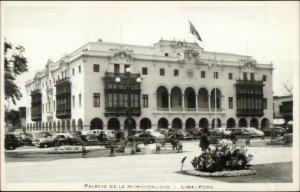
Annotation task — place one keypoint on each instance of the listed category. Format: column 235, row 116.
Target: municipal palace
column 171, row 84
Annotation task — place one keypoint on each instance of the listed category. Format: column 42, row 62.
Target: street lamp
column 129, row 109
column 214, row 65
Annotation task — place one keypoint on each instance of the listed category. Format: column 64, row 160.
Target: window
column 125, row 67
column 230, row 102
column 176, row 72
column 116, row 68
column 62, row 74
column 264, row 78
column 166, row 54
column 79, row 69
column 73, row 72
column 265, row 103
column 245, row 76
column 145, row 101
column 79, row 99
column 230, row 76
column 202, row 74
column 73, row 99
column 162, row 72
column 145, row 71
column 216, row 75
column 96, row 99
column 54, row 105
column 252, row 76
column 96, row 68
column 43, row 108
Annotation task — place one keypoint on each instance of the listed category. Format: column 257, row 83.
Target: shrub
column 222, row 159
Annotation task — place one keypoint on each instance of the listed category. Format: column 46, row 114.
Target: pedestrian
column 83, row 151
column 203, row 142
column 158, row 147
column 112, row 149
column 233, row 138
column 248, row 141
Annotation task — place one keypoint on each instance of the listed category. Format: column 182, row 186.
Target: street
column 146, row 168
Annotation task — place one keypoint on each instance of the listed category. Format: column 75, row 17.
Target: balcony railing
column 122, row 111
column 64, row 80
column 65, row 113
column 249, row 82
column 250, row 112
column 37, row 117
column 188, row 110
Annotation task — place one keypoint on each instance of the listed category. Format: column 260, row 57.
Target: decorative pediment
column 121, row 54
column 64, row 62
column 248, row 64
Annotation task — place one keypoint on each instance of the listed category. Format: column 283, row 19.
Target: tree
column 13, row 117
column 288, row 87
column 14, row 64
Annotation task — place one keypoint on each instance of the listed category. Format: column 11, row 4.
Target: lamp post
column 129, row 110
column 214, row 65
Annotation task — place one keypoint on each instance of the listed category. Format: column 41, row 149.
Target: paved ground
column 147, row 168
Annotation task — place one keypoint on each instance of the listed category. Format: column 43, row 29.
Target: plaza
column 148, row 167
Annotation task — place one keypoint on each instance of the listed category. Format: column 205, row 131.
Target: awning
column 278, row 121
column 290, row 123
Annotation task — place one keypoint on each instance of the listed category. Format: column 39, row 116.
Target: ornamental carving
column 121, row 53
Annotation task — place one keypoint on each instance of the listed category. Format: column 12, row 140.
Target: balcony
column 65, row 113
column 250, row 112
column 36, row 92
column 249, row 82
column 37, row 117
column 204, row 111
column 65, row 80
column 122, row 111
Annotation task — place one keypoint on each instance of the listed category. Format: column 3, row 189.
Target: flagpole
column 120, row 34
column 188, row 33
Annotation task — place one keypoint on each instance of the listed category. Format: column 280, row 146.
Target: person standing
column 83, row 151
column 203, row 142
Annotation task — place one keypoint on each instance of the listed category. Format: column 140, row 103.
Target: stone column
column 182, row 102
column 209, row 103
column 169, row 101
column 196, row 102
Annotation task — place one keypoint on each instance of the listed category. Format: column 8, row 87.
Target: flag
column 194, row 31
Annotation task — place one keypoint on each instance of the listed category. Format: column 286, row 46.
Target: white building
column 170, row 84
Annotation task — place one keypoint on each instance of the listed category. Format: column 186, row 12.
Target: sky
column 268, row 31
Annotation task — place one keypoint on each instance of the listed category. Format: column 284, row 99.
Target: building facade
column 283, row 109
column 171, row 84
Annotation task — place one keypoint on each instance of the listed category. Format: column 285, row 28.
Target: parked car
column 255, row 132
column 90, row 139
column 11, row 141
column 26, row 138
column 195, row 132
column 275, row 131
column 226, row 131
column 213, row 136
column 38, row 135
column 163, row 131
column 183, row 135
column 147, row 137
column 59, row 139
column 241, row 132
column 86, row 132
column 96, row 131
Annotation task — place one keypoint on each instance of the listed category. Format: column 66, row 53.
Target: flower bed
column 65, row 149
column 214, row 161
column 233, row 173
